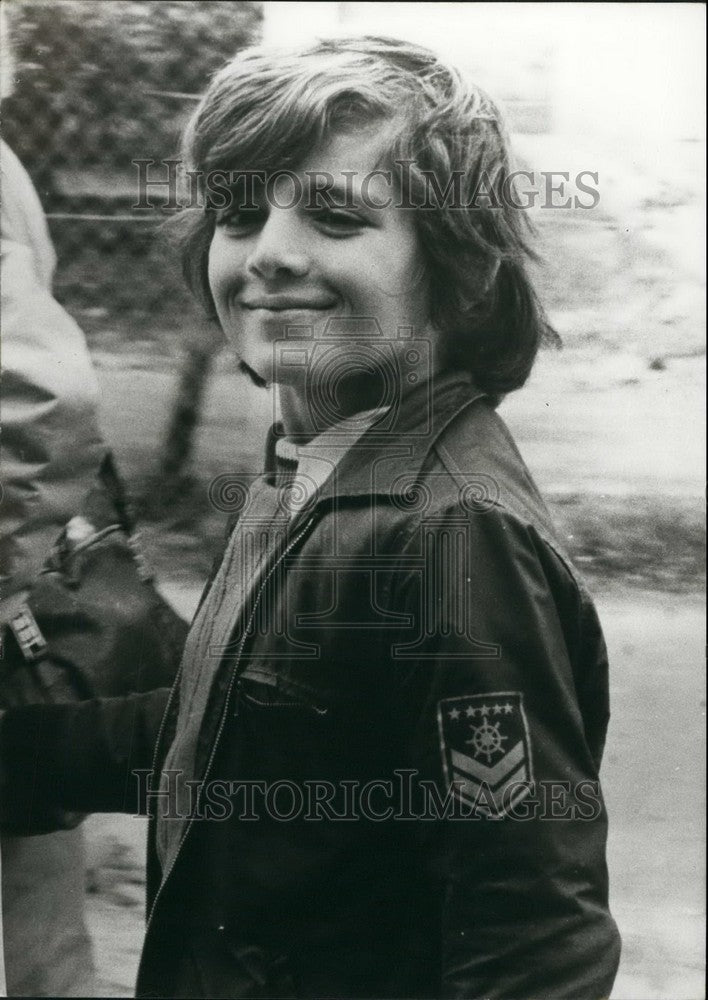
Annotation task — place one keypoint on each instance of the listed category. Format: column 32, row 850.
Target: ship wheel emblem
column 486, row 739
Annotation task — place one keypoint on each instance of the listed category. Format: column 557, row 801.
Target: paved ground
column 654, row 781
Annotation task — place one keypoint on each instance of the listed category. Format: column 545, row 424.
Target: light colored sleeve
column 51, row 442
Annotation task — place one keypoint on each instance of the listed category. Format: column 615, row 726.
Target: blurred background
column 611, row 425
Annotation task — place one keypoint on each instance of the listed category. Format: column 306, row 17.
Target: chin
column 257, row 365
column 257, row 379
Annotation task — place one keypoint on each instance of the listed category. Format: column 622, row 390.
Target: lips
column 282, row 303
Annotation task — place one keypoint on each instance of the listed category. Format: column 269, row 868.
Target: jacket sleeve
column 78, row 756
column 52, row 444
column 488, row 696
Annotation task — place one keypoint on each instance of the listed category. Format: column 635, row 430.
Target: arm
column 76, row 757
column 52, row 445
column 490, row 716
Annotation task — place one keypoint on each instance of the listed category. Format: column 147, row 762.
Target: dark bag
column 93, row 624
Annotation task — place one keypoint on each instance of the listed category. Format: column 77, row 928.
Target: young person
column 377, row 772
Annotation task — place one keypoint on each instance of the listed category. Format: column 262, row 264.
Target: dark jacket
column 419, row 642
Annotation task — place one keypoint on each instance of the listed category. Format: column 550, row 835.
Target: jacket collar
column 390, row 455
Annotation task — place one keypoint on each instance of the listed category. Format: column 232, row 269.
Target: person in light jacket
column 51, row 451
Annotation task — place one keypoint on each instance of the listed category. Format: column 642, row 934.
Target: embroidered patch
column 485, row 749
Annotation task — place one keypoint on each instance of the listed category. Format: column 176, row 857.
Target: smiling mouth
column 287, row 306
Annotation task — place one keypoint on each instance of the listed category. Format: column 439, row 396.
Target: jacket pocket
column 269, row 973
column 261, row 689
column 214, row 965
column 288, row 732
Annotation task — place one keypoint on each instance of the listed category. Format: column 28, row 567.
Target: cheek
column 224, row 268
column 400, row 280
column 403, row 255
column 413, row 279
column 381, row 272
column 214, row 269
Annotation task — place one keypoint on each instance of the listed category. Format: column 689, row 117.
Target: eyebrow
column 335, row 193
column 332, row 192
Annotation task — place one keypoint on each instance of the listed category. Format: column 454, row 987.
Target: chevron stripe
column 468, row 789
column 492, row 775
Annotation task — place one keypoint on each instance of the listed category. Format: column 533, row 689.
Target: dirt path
column 654, row 783
column 653, row 776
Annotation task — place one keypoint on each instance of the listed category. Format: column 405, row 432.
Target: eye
column 241, row 220
column 339, row 221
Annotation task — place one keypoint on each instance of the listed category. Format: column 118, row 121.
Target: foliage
column 98, row 84
column 89, row 73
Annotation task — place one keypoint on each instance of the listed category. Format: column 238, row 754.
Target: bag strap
column 28, row 634
column 115, row 487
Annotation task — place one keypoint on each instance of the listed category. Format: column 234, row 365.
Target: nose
column 281, row 248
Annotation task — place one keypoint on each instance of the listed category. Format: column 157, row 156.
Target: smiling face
column 273, row 268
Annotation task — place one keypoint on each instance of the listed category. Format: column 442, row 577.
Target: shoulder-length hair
column 267, row 108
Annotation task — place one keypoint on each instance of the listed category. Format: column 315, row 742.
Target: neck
column 295, row 415
column 352, row 396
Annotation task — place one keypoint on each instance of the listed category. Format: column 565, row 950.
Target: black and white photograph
column 352, row 500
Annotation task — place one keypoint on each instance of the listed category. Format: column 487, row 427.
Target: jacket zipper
column 291, row 544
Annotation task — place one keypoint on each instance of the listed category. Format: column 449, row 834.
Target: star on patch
column 486, row 752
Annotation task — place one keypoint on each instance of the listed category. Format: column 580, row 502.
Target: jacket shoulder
column 476, row 464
